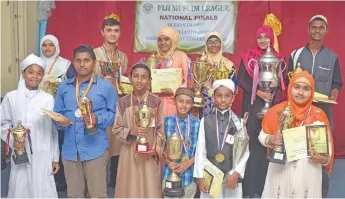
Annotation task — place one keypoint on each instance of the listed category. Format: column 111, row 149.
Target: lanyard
column 181, row 134
column 52, row 66
column 226, row 130
column 306, row 117
column 77, row 89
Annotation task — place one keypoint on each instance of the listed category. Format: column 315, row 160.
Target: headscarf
column 174, row 37
column 20, row 108
column 257, row 52
column 228, row 83
column 61, row 65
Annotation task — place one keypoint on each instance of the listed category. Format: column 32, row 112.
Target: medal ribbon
column 226, row 130
column 181, row 134
column 52, row 66
column 306, row 117
column 77, row 89
column 111, row 60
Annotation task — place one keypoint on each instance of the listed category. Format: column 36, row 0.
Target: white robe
column 201, row 156
column 34, row 179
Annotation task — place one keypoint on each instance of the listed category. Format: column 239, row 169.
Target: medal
column 210, row 92
column 185, row 158
column 77, row 113
column 169, row 64
column 219, row 157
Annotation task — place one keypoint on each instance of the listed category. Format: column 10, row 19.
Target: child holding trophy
column 187, row 128
column 31, row 134
column 139, row 126
column 216, row 143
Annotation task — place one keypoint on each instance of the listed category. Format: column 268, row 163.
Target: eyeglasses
column 214, row 43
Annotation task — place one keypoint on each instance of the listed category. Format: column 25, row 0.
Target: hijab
column 173, row 36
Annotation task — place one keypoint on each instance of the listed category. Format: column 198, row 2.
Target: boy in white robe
column 215, row 142
column 34, row 179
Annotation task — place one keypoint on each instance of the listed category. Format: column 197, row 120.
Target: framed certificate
column 317, row 138
column 166, row 78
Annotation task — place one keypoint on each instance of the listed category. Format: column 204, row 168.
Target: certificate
column 317, row 138
column 213, row 178
column 295, row 142
column 166, row 78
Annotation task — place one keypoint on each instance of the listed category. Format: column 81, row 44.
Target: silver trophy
column 241, row 139
column 268, row 80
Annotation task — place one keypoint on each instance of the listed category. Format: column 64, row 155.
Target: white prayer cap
column 319, row 17
column 31, row 59
column 224, row 82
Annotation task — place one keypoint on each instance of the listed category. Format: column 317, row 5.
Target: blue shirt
column 170, row 127
column 104, row 99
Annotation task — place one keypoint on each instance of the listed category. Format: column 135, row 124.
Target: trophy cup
column 268, row 65
column 221, row 72
column 85, row 106
column 277, row 154
column 19, row 134
column 144, row 117
column 111, row 69
column 241, row 139
column 202, row 72
column 152, row 61
column 173, row 185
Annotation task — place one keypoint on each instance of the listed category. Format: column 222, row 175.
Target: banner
column 192, row 19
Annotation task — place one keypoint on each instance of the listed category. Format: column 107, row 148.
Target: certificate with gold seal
column 166, row 78
column 213, row 178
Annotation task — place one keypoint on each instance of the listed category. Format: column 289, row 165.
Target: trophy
column 152, row 61
column 144, row 117
column 173, row 185
column 277, row 154
column 202, row 72
column 268, row 65
column 49, row 84
column 112, row 69
column 19, row 134
column 241, row 139
column 295, row 71
column 85, row 106
column 222, row 72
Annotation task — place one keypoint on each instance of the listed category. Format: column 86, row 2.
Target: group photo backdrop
column 79, row 22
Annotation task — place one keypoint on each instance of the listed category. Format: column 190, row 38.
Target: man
column 187, row 127
column 109, row 52
column 323, row 65
column 85, row 156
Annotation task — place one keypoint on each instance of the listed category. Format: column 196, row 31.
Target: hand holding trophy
column 19, row 134
column 144, row 117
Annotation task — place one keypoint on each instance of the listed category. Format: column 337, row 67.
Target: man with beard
column 109, row 54
column 323, row 65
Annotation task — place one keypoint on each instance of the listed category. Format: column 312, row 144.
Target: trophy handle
column 250, row 61
column 196, row 80
column 280, row 63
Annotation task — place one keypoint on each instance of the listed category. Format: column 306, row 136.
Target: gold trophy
column 277, row 154
column 295, row 71
column 19, row 134
column 85, row 106
column 173, row 185
column 202, row 71
column 152, row 61
column 111, row 68
column 222, row 72
column 144, row 117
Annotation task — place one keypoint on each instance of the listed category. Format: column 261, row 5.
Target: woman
column 214, row 55
column 58, row 69
column 169, row 57
column 36, row 178
column 301, row 178
column 256, row 169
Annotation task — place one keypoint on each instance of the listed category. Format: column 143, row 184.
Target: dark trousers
column 325, row 182
column 114, row 161
column 60, row 179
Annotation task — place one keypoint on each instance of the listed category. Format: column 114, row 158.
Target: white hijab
column 61, row 65
column 20, row 108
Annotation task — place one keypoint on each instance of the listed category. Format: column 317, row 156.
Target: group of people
column 207, row 132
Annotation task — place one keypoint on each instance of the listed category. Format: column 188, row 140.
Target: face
column 223, row 98
column 183, row 104
column 48, row 48
column 111, row 34
column 164, row 43
column 214, row 45
column 300, row 93
column 317, row 30
column 33, row 76
column 140, row 78
column 84, row 63
column 263, row 41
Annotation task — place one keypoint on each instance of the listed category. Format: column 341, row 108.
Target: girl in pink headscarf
column 256, row 169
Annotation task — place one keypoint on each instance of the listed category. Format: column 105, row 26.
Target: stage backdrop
column 76, row 23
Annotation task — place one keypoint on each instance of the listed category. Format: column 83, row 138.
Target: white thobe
column 298, row 179
column 201, row 156
column 33, row 179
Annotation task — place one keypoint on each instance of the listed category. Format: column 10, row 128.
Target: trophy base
column 20, row 159
column 91, row 131
column 198, row 102
column 276, row 157
column 173, row 189
column 142, row 148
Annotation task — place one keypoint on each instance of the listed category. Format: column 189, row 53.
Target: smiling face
column 317, row 30
column 164, row 43
column 111, row 34
column 184, row 104
column 214, row 45
column 33, row 76
column 301, row 93
column 140, row 79
column 48, row 48
column 263, row 41
column 223, row 98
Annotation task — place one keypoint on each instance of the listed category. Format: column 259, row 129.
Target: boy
column 187, row 127
column 215, row 142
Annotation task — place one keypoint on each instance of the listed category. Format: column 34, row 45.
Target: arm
column 55, row 144
column 122, row 133
column 59, row 106
column 244, row 80
column 6, row 119
column 264, row 139
column 200, row 154
column 106, row 118
column 337, row 81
